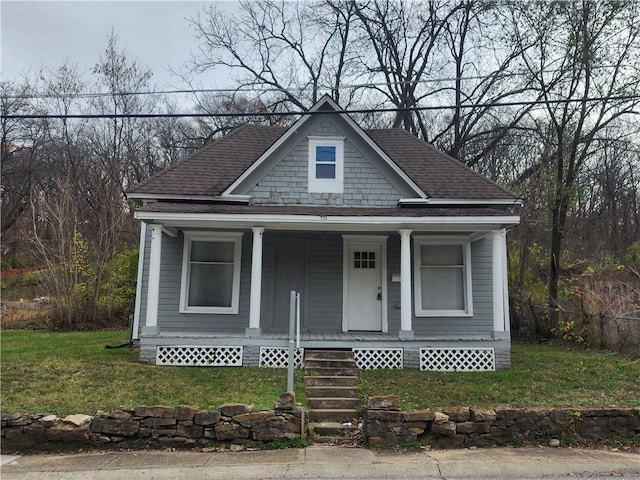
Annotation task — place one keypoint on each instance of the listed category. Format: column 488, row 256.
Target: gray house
column 397, row 251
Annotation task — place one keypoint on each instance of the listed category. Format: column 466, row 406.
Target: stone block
column 49, row 420
column 233, row 409
column 447, row 429
column 207, row 418
column 384, row 415
column 507, row 414
column 473, row 427
column 209, row 433
column 120, row 414
column 460, row 414
column 384, row 402
column 426, row 415
column 158, row 411
column 155, row 422
column 440, row 418
column 77, row 420
column 66, row 433
column 286, row 401
column 186, row 412
column 109, row 426
column 231, row 431
column 189, row 431
column 483, row 414
column 377, row 428
column 247, row 419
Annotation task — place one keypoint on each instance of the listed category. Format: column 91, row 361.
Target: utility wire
column 274, row 89
column 317, row 112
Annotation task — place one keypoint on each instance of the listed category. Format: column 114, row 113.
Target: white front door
column 364, row 288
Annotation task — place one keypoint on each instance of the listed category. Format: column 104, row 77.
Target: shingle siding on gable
column 286, row 183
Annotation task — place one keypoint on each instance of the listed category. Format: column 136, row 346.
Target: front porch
column 371, row 350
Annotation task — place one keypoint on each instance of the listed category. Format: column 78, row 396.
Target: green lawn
column 541, row 376
column 66, row 373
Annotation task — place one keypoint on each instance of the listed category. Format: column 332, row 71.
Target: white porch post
column 153, row 290
column 406, row 329
column 498, row 240
column 136, row 311
column 256, row 283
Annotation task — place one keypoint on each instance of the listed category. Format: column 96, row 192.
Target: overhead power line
column 251, row 88
column 37, row 116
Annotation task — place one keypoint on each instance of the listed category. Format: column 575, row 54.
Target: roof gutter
column 458, row 201
column 149, row 197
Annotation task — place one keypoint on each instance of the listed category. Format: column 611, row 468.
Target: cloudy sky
column 37, row 34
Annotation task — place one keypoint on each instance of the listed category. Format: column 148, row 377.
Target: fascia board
column 328, row 222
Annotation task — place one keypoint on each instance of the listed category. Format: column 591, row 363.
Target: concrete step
column 330, row 371
column 330, row 429
column 333, row 403
column 321, row 354
column 333, row 433
column 330, row 363
column 331, row 381
column 324, row 391
column 334, row 415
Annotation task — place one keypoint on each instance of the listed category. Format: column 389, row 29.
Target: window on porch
column 211, row 273
column 442, row 278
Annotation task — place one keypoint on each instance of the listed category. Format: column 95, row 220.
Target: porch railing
column 294, row 335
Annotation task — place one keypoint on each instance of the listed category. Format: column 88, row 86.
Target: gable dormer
column 325, row 159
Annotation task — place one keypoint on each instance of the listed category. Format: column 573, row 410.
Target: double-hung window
column 326, row 164
column 442, row 277
column 211, row 273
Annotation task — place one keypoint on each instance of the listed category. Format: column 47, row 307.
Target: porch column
column 153, row 289
column 498, row 240
column 406, row 329
column 256, row 284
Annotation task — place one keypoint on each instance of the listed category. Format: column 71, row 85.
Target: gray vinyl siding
column 322, row 288
column 364, row 183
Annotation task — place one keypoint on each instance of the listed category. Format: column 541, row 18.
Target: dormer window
column 326, row 164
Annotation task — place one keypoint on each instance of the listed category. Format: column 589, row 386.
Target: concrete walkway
column 327, row 462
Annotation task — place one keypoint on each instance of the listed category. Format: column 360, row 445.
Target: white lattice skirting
column 278, row 357
column 372, row 358
column 197, row 356
column 457, row 359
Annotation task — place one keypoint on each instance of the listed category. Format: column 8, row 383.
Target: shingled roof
column 211, row 170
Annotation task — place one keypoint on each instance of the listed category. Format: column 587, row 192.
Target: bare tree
column 286, row 53
column 585, row 65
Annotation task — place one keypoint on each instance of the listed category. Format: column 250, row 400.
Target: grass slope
column 66, row 373
column 541, row 376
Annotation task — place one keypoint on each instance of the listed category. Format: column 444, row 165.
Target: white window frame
column 464, row 242
column 326, row 185
column 190, row 237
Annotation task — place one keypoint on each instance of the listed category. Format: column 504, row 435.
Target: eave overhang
column 330, row 222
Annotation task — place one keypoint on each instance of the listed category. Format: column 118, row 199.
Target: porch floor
column 330, row 336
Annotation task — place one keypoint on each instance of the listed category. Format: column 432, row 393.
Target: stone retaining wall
column 385, row 424
column 154, row 426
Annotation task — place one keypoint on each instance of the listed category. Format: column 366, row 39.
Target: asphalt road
column 319, row 462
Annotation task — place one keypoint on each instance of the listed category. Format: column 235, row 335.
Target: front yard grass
column 541, row 376
column 65, row 373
